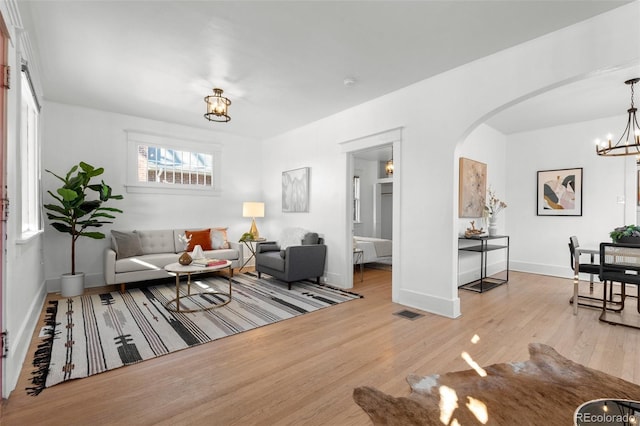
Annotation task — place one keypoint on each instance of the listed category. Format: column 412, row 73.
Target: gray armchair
column 294, row 263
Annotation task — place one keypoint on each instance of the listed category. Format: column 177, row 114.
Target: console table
column 483, row 247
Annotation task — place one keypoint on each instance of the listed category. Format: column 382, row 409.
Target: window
column 157, row 164
column 172, row 165
column 356, row 198
column 29, row 156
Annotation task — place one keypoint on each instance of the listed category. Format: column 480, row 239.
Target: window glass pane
column 29, row 159
column 170, row 166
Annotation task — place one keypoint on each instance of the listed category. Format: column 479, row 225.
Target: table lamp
column 253, row 209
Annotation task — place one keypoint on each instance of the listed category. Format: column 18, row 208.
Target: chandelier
column 629, row 142
column 217, row 107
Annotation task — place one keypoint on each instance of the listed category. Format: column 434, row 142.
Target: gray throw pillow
column 127, row 244
column 310, row 238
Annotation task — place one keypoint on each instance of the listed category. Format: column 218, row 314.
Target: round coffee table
column 178, row 269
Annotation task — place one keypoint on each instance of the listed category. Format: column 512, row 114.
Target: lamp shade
column 252, row 209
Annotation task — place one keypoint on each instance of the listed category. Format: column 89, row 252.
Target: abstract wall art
column 295, row 190
column 472, row 188
column 559, row 192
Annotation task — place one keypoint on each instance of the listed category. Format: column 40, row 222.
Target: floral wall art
column 472, row 188
column 560, row 192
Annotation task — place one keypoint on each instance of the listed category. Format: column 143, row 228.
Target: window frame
column 356, row 199
column 136, row 138
column 31, row 222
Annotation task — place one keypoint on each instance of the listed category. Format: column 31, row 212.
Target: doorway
column 367, row 159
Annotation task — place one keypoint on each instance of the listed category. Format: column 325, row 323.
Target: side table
column 358, row 259
column 251, row 245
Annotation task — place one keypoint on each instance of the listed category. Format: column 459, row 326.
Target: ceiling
column 283, row 64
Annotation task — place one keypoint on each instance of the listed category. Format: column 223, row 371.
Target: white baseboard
column 425, row 302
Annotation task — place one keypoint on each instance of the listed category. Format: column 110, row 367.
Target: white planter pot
column 72, row 285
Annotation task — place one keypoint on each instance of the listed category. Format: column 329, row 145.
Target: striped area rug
column 90, row 334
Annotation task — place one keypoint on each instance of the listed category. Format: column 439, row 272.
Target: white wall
column 488, row 146
column 435, row 115
column 73, row 134
column 539, row 243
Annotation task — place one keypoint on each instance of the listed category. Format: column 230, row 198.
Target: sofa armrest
column 237, row 246
column 109, row 266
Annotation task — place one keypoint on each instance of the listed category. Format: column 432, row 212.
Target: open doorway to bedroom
column 372, row 208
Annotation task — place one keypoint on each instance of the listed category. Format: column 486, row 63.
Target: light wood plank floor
column 304, row 370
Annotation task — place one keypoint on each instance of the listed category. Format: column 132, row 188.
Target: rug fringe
column 42, row 356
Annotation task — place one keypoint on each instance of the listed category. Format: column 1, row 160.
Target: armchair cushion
column 272, row 260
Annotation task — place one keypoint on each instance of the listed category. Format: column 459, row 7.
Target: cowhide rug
column 546, row 390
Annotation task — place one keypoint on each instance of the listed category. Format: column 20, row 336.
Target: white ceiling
column 283, row 64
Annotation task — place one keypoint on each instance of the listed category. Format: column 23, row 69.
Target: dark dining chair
column 619, row 262
column 591, row 268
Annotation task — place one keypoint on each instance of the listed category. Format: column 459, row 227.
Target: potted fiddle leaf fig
column 79, row 207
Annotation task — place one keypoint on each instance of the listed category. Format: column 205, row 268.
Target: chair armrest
column 305, row 261
column 265, row 246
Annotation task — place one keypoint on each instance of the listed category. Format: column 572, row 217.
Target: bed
column 373, row 249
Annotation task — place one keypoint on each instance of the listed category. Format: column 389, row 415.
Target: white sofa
column 142, row 255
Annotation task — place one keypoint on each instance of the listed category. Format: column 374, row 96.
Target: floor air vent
column 408, row 314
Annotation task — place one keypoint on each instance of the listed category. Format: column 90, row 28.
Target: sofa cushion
column 219, row 238
column 157, row 241
column 226, row 254
column 126, row 244
column 149, row 262
column 200, row 238
column 272, row 260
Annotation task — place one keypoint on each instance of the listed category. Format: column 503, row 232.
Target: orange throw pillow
column 201, row 238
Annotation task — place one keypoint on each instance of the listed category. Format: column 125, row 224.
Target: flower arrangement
column 494, row 205
column 625, row 231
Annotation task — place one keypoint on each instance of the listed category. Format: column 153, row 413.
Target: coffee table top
column 176, row 267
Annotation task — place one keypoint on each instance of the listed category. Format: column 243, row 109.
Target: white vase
column 493, row 226
column 72, row 285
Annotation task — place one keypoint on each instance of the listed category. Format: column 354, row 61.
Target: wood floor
column 303, row 371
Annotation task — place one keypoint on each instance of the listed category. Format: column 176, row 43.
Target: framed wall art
column 295, row 190
column 472, row 188
column 559, row 192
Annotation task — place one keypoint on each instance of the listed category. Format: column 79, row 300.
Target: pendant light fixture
column 629, row 142
column 217, row 107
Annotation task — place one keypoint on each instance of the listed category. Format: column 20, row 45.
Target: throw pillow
column 219, row 238
column 126, row 244
column 311, row 238
column 291, row 237
column 201, row 238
